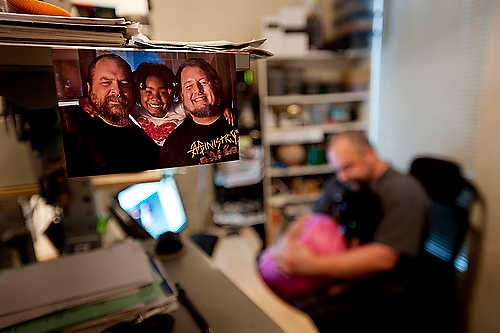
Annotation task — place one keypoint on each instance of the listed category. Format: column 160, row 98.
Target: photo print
column 130, row 111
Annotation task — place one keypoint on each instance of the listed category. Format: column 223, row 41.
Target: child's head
column 155, row 85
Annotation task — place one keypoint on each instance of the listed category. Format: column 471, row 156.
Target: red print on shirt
column 156, row 132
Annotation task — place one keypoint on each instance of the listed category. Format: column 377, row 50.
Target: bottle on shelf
column 314, row 26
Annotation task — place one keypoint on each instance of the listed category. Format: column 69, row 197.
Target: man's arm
column 355, row 263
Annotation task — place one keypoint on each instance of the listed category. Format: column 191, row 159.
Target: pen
column 198, row 318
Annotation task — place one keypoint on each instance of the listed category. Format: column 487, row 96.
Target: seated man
column 376, row 270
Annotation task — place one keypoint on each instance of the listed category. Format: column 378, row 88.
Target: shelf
column 299, row 170
column 345, row 97
column 293, row 135
column 99, row 182
column 349, row 126
column 239, row 219
column 281, row 200
column 126, row 179
column 308, row 134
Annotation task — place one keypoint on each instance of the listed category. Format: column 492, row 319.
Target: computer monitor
column 156, row 207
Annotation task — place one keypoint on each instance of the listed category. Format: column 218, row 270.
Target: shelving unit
column 307, row 133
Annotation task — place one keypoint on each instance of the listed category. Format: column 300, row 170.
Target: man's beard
column 205, row 111
column 113, row 115
column 352, row 186
column 357, row 185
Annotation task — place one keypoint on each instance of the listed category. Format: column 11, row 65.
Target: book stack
column 86, row 292
column 53, row 30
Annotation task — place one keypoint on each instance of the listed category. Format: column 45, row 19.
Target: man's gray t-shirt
column 405, row 207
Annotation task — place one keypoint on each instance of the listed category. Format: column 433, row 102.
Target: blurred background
column 420, row 77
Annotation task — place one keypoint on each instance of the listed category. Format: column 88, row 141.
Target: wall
column 485, row 312
column 123, row 7
column 23, row 171
column 193, row 20
column 439, row 94
column 431, row 71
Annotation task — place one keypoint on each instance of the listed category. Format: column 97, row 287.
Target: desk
column 223, row 305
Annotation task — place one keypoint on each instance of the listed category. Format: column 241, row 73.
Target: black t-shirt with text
column 193, row 144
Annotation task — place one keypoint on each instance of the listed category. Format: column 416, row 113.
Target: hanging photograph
column 130, row 111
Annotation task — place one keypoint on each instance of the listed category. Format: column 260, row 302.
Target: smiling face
column 197, row 93
column 110, row 92
column 155, row 97
column 353, row 166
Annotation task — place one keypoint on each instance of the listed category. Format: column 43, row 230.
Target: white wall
column 123, row 7
column 431, row 72
column 193, row 20
column 485, row 314
column 439, row 94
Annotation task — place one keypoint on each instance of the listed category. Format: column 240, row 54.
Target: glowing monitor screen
column 157, row 207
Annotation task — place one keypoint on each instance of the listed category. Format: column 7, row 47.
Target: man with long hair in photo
column 205, row 136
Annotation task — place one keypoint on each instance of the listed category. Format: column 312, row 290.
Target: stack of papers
column 84, row 31
column 44, row 29
column 251, row 47
column 85, row 292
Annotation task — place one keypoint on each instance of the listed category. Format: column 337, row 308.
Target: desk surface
column 223, row 305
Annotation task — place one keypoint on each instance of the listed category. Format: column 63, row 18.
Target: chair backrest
column 452, row 198
column 450, row 247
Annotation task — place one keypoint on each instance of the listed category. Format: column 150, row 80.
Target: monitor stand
column 169, row 245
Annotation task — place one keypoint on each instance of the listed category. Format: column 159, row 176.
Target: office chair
column 447, row 265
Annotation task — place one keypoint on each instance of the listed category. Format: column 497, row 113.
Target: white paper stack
column 81, row 289
column 44, row 29
column 251, row 47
